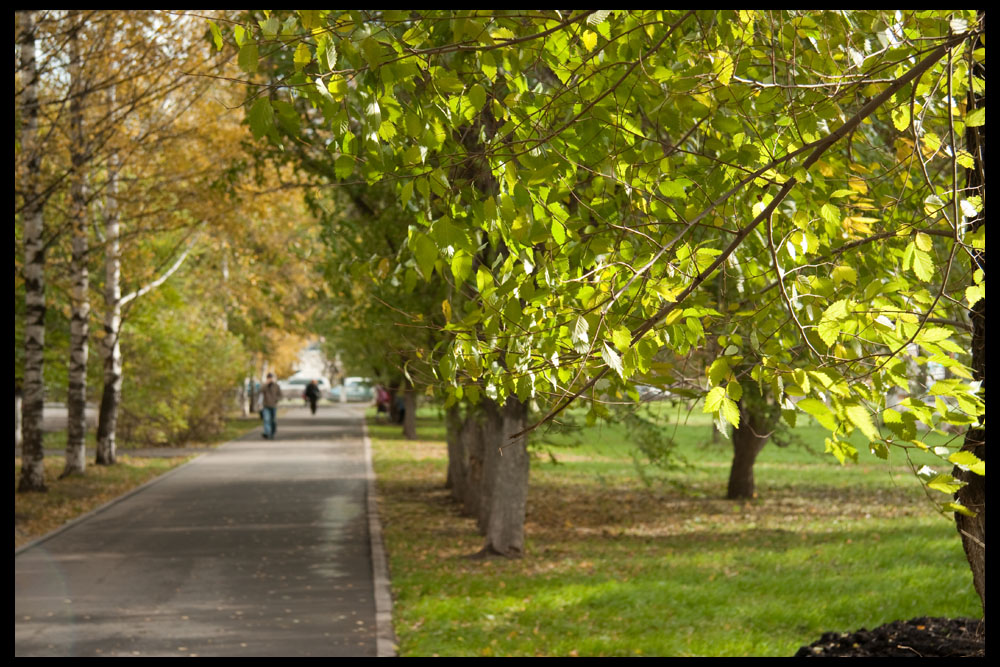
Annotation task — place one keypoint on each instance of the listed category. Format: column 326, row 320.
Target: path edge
column 108, row 505
column 385, row 636
column 114, row 501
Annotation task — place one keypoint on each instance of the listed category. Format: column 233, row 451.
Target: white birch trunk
column 32, row 455
column 76, row 399
column 107, row 425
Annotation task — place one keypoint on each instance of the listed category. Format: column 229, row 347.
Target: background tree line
column 153, row 271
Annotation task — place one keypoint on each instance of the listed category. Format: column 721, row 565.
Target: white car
column 355, row 389
column 293, row 387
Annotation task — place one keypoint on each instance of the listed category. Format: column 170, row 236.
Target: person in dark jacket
column 311, row 394
column 270, row 394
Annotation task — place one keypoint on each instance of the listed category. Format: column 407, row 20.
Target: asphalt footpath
column 258, row 548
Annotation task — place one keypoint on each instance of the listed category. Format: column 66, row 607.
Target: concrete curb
column 385, row 636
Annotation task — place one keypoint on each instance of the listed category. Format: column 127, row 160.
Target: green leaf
column 933, row 334
column 343, row 167
column 674, row 188
column 622, row 338
column 477, row 96
column 612, row 359
column 734, row 390
column 558, row 232
column 425, row 252
column 859, row 416
column 461, row 266
column 945, row 483
column 248, row 57
column 974, row 293
column 829, row 324
column 287, row 117
column 731, row 411
column 261, row 118
column 718, row 371
column 901, row 117
column 714, row 399
column 722, row 65
column 580, row 330
column 923, row 265
column 216, row 35
column 819, row 411
column 969, row 461
column 830, row 213
column 957, row 507
column 976, row 117
column 845, row 273
column 270, row 27
column 842, row 450
column 302, row 57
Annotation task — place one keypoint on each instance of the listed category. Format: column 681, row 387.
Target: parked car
column 355, row 389
column 293, row 387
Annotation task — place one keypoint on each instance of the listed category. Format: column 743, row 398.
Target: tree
column 807, row 160
column 32, row 454
column 137, row 152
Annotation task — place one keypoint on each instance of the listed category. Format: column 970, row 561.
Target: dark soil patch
column 916, row 638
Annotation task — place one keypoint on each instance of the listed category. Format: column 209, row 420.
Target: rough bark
column 465, row 459
column 505, row 476
column 748, row 441
column 453, row 424
column 76, row 398
column 32, row 476
column 973, row 495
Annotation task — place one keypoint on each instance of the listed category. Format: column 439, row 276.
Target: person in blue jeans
column 270, row 394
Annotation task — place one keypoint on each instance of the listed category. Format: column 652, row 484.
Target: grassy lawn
column 37, row 514
column 620, row 566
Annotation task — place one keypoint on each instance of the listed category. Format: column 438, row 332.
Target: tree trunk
column 973, row 495
column 32, row 455
column 453, row 425
column 748, row 440
column 505, row 475
column 465, row 459
column 107, row 424
column 409, row 412
column 76, row 399
column 245, row 398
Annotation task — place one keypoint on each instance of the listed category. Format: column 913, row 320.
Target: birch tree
column 32, row 476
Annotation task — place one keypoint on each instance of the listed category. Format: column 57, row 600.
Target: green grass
column 617, row 566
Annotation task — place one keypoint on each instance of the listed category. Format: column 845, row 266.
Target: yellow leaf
column 857, row 184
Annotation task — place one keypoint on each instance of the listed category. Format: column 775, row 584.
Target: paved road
column 259, row 548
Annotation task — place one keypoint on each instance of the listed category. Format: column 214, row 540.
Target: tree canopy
column 784, row 183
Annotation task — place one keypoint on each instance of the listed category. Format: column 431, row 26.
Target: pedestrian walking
column 270, row 394
column 311, row 394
